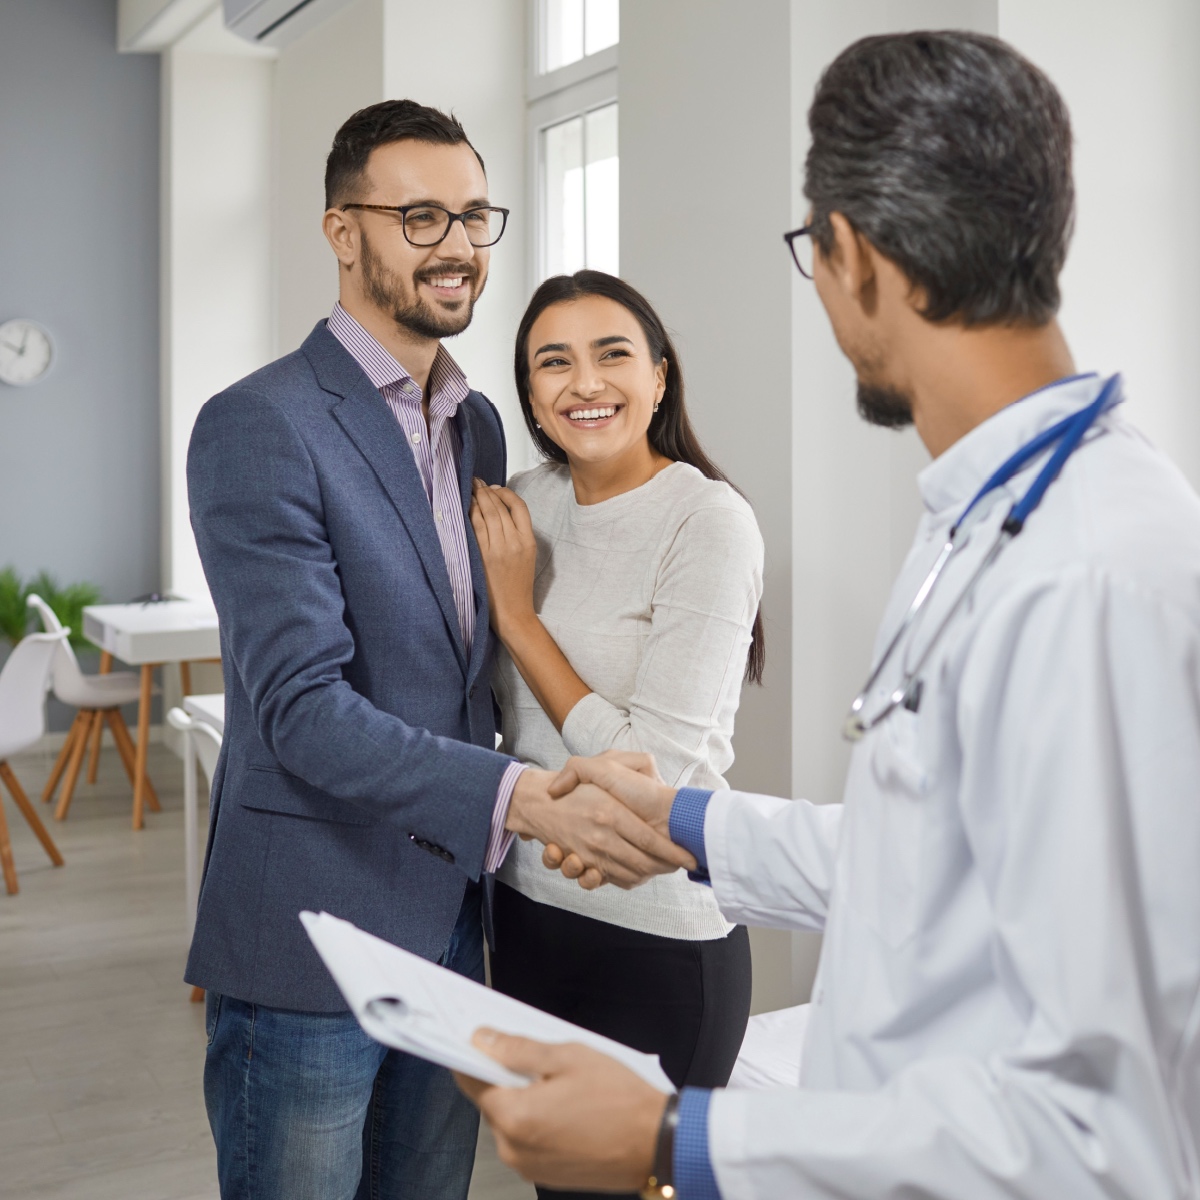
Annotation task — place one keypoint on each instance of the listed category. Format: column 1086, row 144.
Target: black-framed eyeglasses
column 429, row 224
column 800, row 243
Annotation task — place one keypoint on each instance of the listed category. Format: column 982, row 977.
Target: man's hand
column 631, row 778
column 586, row 1122
column 604, row 834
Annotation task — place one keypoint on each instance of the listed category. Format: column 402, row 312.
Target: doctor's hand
column 504, row 531
column 603, row 833
column 629, row 777
column 587, row 1122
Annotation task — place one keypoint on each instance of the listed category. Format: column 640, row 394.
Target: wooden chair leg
column 60, row 764
column 68, row 788
column 97, row 734
column 125, row 749
column 143, row 744
column 120, row 735
column 185, row 678
column 6, row 857
column 35, row 822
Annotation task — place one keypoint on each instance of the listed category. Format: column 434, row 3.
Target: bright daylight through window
column 573, row 118
column 581, row 181
column 573, row 29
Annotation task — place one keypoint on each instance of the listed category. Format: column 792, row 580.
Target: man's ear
column 851, row 262
column 341, row 235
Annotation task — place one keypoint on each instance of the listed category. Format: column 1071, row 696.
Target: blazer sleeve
column 257, row 514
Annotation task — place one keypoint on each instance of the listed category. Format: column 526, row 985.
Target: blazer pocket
column 277, row 791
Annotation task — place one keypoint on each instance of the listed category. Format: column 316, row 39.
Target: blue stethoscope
column 1064, row 437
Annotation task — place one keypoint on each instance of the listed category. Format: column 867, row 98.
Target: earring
column 537, row 424
column 656, row 407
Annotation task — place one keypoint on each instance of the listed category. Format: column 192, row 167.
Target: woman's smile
column 590, row 416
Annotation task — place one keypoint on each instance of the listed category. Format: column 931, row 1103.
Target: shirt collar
column 447, row 384
column 953, row 478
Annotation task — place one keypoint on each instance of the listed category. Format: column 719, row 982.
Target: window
column 573, row 130
column 573, row 29
column 580, row 193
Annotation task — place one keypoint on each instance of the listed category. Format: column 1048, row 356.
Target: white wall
column 703, row 126
column 320, row 79
column 246, row 269
column 473, row 64
column 854, row 486
column 216, row 319
column 1131, row 289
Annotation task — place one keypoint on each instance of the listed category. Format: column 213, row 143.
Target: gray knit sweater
column 651, row 596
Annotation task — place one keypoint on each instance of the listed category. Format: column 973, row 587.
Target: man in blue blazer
column 358, row 773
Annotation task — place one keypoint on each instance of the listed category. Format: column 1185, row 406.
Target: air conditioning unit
column 277, row 22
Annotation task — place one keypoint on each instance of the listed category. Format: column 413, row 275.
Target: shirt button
column 416, row 438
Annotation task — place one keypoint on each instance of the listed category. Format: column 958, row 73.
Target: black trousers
column 688, row 1002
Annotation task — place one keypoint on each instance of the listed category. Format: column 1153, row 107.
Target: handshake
column 601, row 820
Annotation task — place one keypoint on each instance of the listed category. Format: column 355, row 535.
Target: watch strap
column 661, row 1184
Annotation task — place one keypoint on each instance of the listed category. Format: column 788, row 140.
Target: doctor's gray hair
column 951, row 155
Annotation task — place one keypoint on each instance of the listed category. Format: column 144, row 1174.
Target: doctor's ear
column 851, row 262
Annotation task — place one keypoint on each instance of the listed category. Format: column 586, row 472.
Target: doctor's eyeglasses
column 800, row 243
column 429, row 224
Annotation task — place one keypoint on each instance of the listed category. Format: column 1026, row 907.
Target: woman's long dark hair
column 670, row 432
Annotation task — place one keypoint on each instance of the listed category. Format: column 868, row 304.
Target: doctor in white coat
column 1008, row 1000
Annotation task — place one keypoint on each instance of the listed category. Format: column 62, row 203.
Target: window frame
column 555, row 96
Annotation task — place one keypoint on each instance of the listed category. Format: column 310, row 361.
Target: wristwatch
column 661, row 1184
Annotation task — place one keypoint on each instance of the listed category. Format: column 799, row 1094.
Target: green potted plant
column 67, row 602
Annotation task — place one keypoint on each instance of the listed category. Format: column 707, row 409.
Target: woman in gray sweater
column 624, row 576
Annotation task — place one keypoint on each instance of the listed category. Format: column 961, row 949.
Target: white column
column 706, row 181
column 216, row 293
column 216, row 251
column 713, row 137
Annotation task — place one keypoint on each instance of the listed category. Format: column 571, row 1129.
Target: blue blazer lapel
column 465, row 422
column 363, row 413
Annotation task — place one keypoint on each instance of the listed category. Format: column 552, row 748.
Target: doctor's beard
column 406, row 308
column 879, row 404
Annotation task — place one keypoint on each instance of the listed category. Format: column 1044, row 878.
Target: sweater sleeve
column 690, row 672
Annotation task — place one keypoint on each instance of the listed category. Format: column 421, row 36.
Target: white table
column 146, row 636
column 211, row 710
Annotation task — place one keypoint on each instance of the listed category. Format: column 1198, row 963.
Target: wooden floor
column 100, row 1051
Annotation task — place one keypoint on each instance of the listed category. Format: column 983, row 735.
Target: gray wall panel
column 79, row 252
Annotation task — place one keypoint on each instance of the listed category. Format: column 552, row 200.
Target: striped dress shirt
column 436, row 448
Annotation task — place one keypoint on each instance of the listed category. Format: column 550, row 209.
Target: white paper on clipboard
column 410, row 1004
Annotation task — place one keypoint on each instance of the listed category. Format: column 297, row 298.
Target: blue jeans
column 305, row 1106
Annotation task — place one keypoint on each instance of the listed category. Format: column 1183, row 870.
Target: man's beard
column 879, row 404
column 384, row 288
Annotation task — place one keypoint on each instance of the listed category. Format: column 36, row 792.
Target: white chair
column 98, row 699
column 202, row 743
column 22, row 723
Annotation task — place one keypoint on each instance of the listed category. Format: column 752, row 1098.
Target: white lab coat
column 1008, row 1000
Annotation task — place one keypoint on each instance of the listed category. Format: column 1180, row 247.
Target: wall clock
column 26, row 352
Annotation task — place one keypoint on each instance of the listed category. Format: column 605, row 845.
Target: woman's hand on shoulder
column 504, row 531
